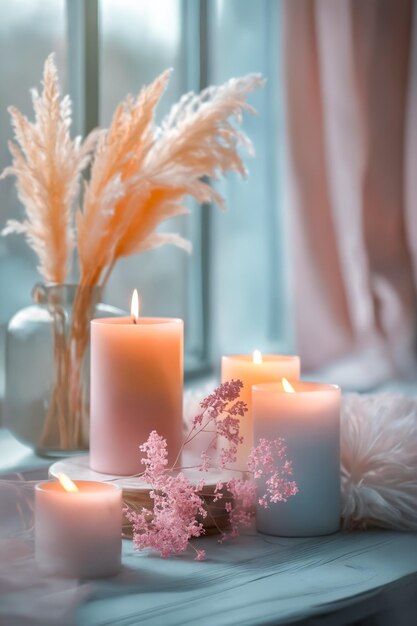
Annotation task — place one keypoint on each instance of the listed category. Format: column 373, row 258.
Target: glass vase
column 47, row 368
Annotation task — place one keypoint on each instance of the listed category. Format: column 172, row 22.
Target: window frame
column 83, row 45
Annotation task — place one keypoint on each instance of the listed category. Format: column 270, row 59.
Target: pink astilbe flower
column 241, row 507
column 220, row 415
column 268, row 462
column 178, row 506
column 156, row 458
column 200, row 555
column 270, row 470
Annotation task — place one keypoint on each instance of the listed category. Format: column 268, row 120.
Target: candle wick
column 134, row 320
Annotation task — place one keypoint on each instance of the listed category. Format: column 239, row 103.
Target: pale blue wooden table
column 362, row 578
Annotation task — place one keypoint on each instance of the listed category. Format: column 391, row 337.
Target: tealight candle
column 136, row 387
column 78, row 528
column 251, row 370
column 307, row 416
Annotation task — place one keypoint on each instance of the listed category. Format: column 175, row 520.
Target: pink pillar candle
column 78, row 534
column 136, row 387
column 308, row 418
column 251, row 370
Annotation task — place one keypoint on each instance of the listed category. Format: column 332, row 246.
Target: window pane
column 29, row 31
column 140, row 39
column 249, row 295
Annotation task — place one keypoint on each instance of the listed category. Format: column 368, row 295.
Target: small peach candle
column 136, row 387
column 307, row 416
column 251, row 370
column 78, row 528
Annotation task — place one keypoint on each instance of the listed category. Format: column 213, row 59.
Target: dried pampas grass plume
column 141, row 173
column 47, row 164
column 379, row 461
column 139, row 177
column 108, row 202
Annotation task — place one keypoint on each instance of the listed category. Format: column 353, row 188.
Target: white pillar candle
column 78, row 533
column 309, row 420
column 136, row 387
column 251, row 370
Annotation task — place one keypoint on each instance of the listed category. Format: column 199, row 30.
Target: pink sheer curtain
column 351, row 90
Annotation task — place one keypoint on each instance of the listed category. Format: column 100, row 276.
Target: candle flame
column 257, row 357
column 287, row 386
column 134, row 307
column 67, row 483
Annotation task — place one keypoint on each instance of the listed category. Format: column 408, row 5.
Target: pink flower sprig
column 240, row 504
column 269, row 465
column 178, row 506
column 220, row 416
column 172, row 522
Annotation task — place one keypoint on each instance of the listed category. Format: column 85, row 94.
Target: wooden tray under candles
column 136, row 490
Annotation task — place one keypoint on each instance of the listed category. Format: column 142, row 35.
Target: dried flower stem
column 57, row 410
